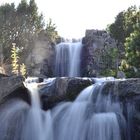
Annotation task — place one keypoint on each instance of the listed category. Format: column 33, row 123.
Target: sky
column 73, row 17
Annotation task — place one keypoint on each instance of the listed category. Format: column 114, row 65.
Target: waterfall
column 68, row 59
column 87, row 120
column 12, row 118
column 92, row 116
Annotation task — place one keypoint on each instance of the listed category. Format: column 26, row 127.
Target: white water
column 68, row 59
column 12, row 118
column 79, row 120
column 82, row 119
column 104, row 126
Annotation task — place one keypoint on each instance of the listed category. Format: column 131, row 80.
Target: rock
column 121, row 74
column 137, row 126
column 12, row 87
column 62, row 89
column 3, row 75
column 128, row 92
column 127, row 88
column 41, row 58
column 96, row 45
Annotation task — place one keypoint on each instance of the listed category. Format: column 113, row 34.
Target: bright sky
column 73, row 17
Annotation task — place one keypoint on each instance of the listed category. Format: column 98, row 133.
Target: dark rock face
column 9, row 84
column 12, row 87
column 125, row 89
column 137, row 126
column 62, row 89
column 96, row 45
column 128, row 92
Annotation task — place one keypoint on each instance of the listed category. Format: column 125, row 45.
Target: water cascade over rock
column 67, row 106
column 94, row 115
column 68, row 59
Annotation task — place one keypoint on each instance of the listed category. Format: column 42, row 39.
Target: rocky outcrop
column 128, row 92
column 12, row 87
column 62, row 89
column 41, row 58
column 124, row 89
column 97, row 47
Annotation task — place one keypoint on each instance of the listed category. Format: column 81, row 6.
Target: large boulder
column 95, row 54
column 62, row 89
column 12, row 87
column 124, row 89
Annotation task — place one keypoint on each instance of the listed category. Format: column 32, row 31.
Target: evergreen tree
column 51, row 31
column 7, row 28
column 117, row 29
column 19, row 25
column 124, row 24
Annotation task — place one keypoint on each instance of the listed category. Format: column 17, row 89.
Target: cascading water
column 12, row 118
column 83, row 120
column 92, row 116
column 68, row 59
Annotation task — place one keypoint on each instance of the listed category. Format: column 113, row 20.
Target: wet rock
column 137, row 126
column 129, row 88
column 12, row 87
column 121, row 74
column 62, row 89
column 128, row 92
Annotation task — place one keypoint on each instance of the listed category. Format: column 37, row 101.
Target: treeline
column 126, row 30
column 22, row 25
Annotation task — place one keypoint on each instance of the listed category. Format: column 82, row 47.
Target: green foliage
column 51, row 31
column 126, row 29
column 23, row 70
column 109, row 72
column 132, row 57
column 19, row 25
column 23, row 25
column 15, row 59
column 16, row 67
column 110, row 61
column 117, row 29
column 7, row 24
column 124, row 24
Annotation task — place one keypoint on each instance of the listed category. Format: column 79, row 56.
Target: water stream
column 68, row 59
column 92, row 116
